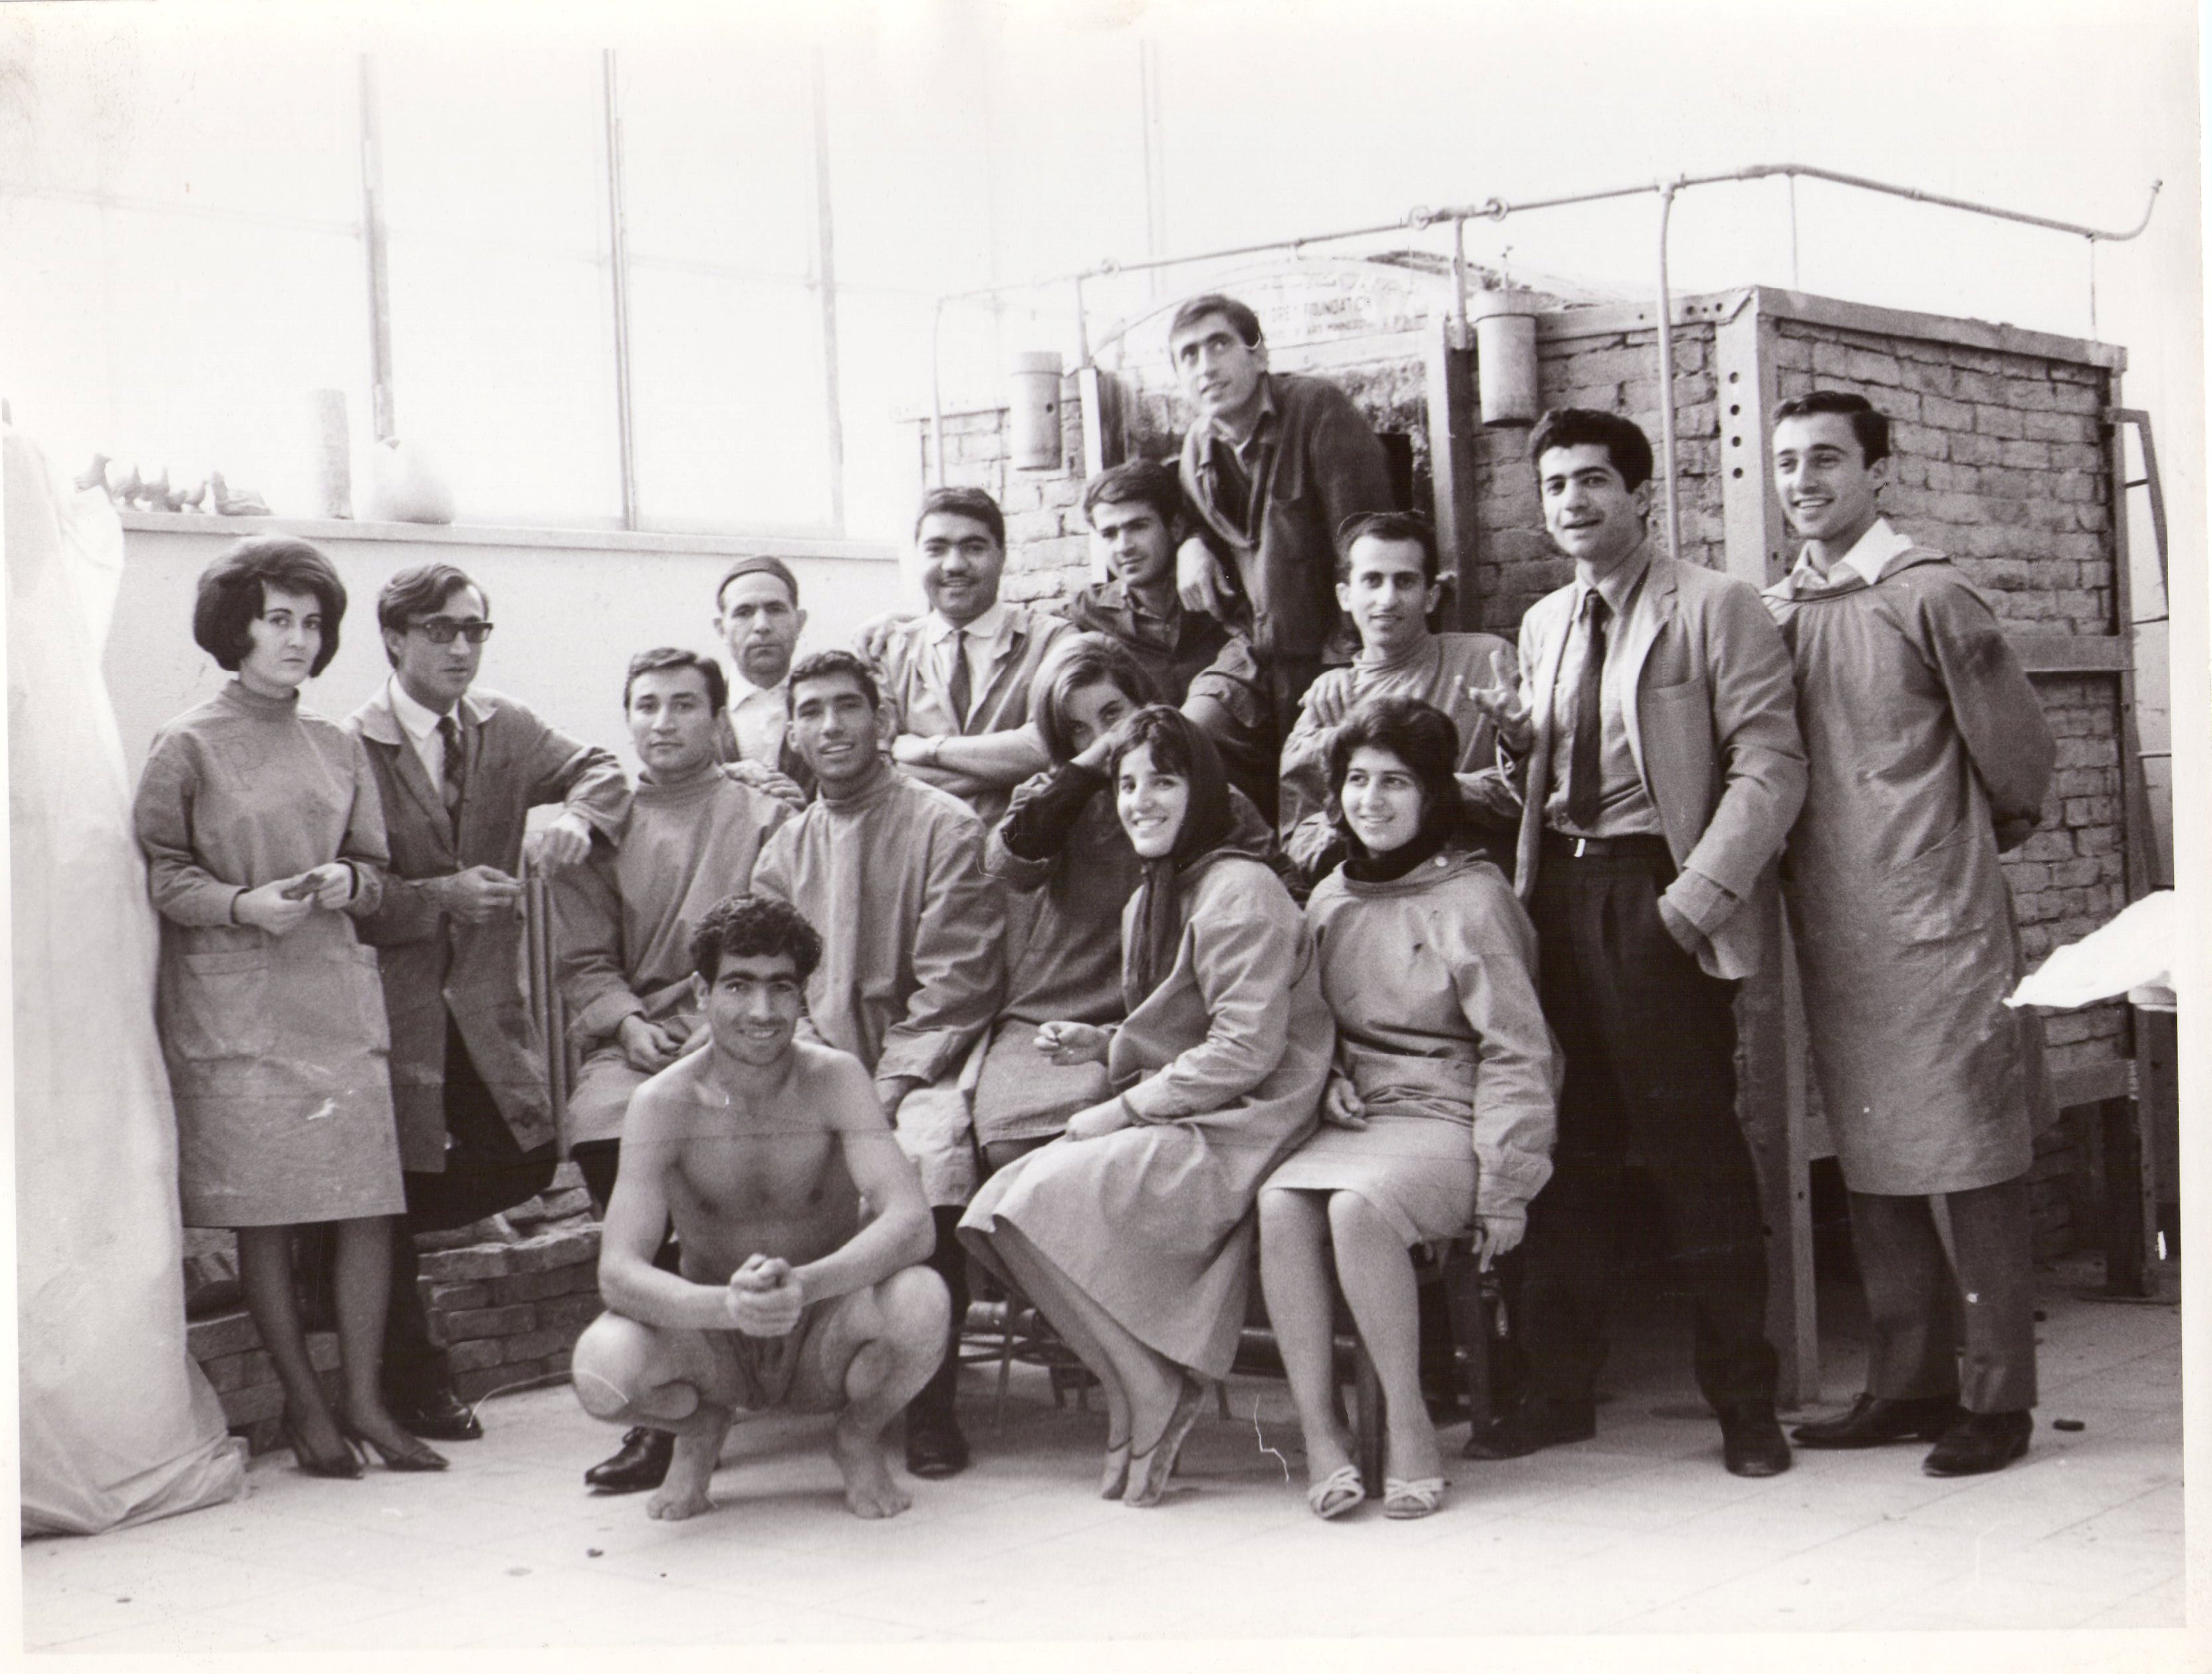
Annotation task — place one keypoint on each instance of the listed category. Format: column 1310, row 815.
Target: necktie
column 456, row 773
column 1583, row 771
column 959, row 688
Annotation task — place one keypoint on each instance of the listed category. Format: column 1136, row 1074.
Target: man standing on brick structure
column 1274, row 464
column 459, row 769
column 757, row 616
column 1929, row 755
column 1661, row 769
column 891, row 871
column 626, row 918
column 1388, row 583
column 802, row 1227
column 963, row 668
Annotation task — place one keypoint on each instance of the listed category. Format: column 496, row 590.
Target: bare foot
column 1413, row 1450
column 869, row 1490
column 698, row 1448
column 674, row 1501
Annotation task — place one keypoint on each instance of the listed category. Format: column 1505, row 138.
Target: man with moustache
column 1660, row 769
column 1929, row 755
column 891, row 870
column 625, row 922
column 1272, row 465
column 458, row 768
column 963, row 669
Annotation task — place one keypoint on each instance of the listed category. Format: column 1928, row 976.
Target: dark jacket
column 432, row 963
column 1313, row 461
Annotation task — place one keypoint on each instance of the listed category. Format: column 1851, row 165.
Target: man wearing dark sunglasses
column 459, row 769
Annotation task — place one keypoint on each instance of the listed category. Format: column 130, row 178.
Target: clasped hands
column 278, row 906
column 764, row 1297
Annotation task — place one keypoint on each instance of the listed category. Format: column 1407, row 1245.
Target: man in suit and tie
column 962, row 670
column 1660, row 769
column 458, row 768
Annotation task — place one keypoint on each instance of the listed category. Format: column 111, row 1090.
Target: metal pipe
column 937, row 391
column 619, row 263
column 1459, row 282
column 826, row 242
column 1667, row 380
column 372, row 240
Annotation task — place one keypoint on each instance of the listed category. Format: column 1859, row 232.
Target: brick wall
column 1615, row 371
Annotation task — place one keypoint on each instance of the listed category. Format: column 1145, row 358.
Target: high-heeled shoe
column 415, row 1456
column 342, row 1464
column 1114, row 1481
column 1149, row 1471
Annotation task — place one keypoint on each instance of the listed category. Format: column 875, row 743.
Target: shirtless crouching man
column 761, row 1149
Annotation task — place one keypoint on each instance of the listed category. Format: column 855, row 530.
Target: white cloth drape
column 118, row 1424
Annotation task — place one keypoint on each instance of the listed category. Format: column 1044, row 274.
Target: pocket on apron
column 218, row 1006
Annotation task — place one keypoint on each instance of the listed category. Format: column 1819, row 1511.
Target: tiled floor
column 1639, row 1532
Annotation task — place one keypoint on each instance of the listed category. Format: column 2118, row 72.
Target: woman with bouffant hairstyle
column 265, row 841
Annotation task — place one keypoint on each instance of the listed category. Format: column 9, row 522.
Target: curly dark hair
column 754, row 927
column 235, row 589
column 1419, row 734
column 1623, row 440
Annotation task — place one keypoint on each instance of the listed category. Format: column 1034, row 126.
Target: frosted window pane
column 726, row 388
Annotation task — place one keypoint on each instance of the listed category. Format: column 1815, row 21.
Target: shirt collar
column 1870, row 555
column 986, row 627
column 419, row 722
column 1269, row 414
column 1617, row 589
column 743, row 691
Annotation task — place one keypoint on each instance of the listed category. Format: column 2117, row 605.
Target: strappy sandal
column 1420, row 1497
column 1337, row 1493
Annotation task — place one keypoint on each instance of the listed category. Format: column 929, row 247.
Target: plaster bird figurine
column 124, row 491
column 195, row 500
column 156, row 494
column 95, row 474
column 246, row 503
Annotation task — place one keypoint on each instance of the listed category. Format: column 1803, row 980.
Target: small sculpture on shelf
column 96, row 474
column 246, row 503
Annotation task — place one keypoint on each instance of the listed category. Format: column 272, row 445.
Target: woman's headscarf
column 1180, row 747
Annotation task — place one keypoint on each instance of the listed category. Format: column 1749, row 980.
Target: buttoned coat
column 434, row 963
column 1713, row 727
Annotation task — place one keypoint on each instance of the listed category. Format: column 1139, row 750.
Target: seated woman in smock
column 1441, row 1110
column 1062, row 851
column 1133, row 1231
column 264, row 839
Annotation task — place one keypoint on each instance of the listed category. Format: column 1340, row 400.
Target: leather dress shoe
column 437, row 1415
column 641, row 1462
column 935, row 1445
column 1875, row 1421
column 1979, row 1443
column 1533, row 1426
column 1752, row 1443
